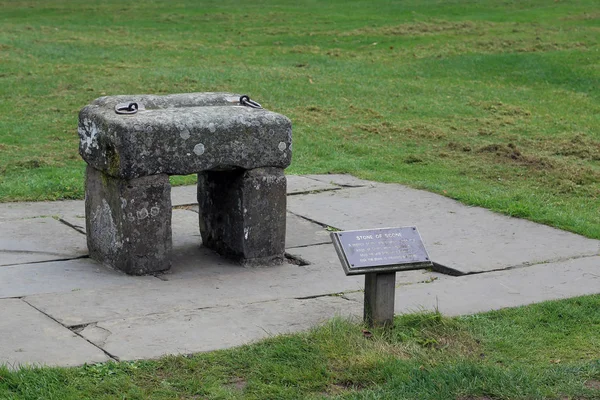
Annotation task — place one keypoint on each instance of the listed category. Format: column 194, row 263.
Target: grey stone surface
column 200, row 278
column 300, row 184
column 194, row 331
column 461, row 238
column 301, row 232
column 27, row 337
column 242, row 214
column 26, row 210
column 182, row 134
column 128, row 222
column 343, row 180
column 186, row 233
column 59, row 277
column 500, row 289
column 38, row 239
column 193, row 286
column 184, row 195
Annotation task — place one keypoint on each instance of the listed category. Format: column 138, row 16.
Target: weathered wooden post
column 378, row 254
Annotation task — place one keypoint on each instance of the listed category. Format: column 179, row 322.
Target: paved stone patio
column 59, row 307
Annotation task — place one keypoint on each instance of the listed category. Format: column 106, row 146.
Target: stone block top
column 181, row 134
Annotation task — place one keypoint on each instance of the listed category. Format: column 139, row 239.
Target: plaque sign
column 380, row 250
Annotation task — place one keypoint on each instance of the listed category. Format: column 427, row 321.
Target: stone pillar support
column 128, row 222
column 242, row 214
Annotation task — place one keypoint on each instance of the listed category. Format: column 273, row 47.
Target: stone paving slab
column 184, row 195
column 214, row 285
column 185, row 230
column 301, row 232
column 195, row 331
column 341, row 180
column 461, row 238
column 301, row 184
column 59, row 277
column 500, row 289
column 28, row 337
column 210, row 281
column 39, row 239
column 25, row 210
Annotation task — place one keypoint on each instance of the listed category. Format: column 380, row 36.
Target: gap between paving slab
column 27, row 337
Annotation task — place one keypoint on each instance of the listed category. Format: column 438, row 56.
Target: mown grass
column 492, row 103
column 543, row 351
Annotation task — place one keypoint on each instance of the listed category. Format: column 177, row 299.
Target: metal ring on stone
column 126, row 108
column 245, row 101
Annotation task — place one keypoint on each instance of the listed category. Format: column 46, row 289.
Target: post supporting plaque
column 380, row 292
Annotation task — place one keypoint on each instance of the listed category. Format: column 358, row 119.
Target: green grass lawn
column 543, row 351
column 492, row 103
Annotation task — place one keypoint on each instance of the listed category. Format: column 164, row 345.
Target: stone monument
column 133, row 143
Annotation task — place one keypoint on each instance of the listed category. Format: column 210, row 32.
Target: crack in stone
column 336, row 184
column 45, row 261
column 100, row 334
column 295, row 260
column 337, row 294
column 314, row 191
column 109, row 355
column 302, row 246
column 453, row 272
column 314, row 221
column 70, row 225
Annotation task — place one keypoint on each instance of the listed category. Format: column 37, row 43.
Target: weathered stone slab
column 27, row 210
column 461, row 238
column 59, row 277
column 27, row 337
column 200, row 278
column 184, row 195
column 501, row 289
column 186, row 232
column 195, row 331
column 300, row 184
column 190, row 287
column 301, row 232
column 38, row 239
column 182, row 134
column 343, row 180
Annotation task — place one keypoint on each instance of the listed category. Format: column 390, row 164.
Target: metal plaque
column 380, row 250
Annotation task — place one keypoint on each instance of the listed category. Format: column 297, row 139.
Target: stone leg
column 242, row 214
column 128, row 222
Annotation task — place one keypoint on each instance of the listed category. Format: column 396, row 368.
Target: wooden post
column 379, row 298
